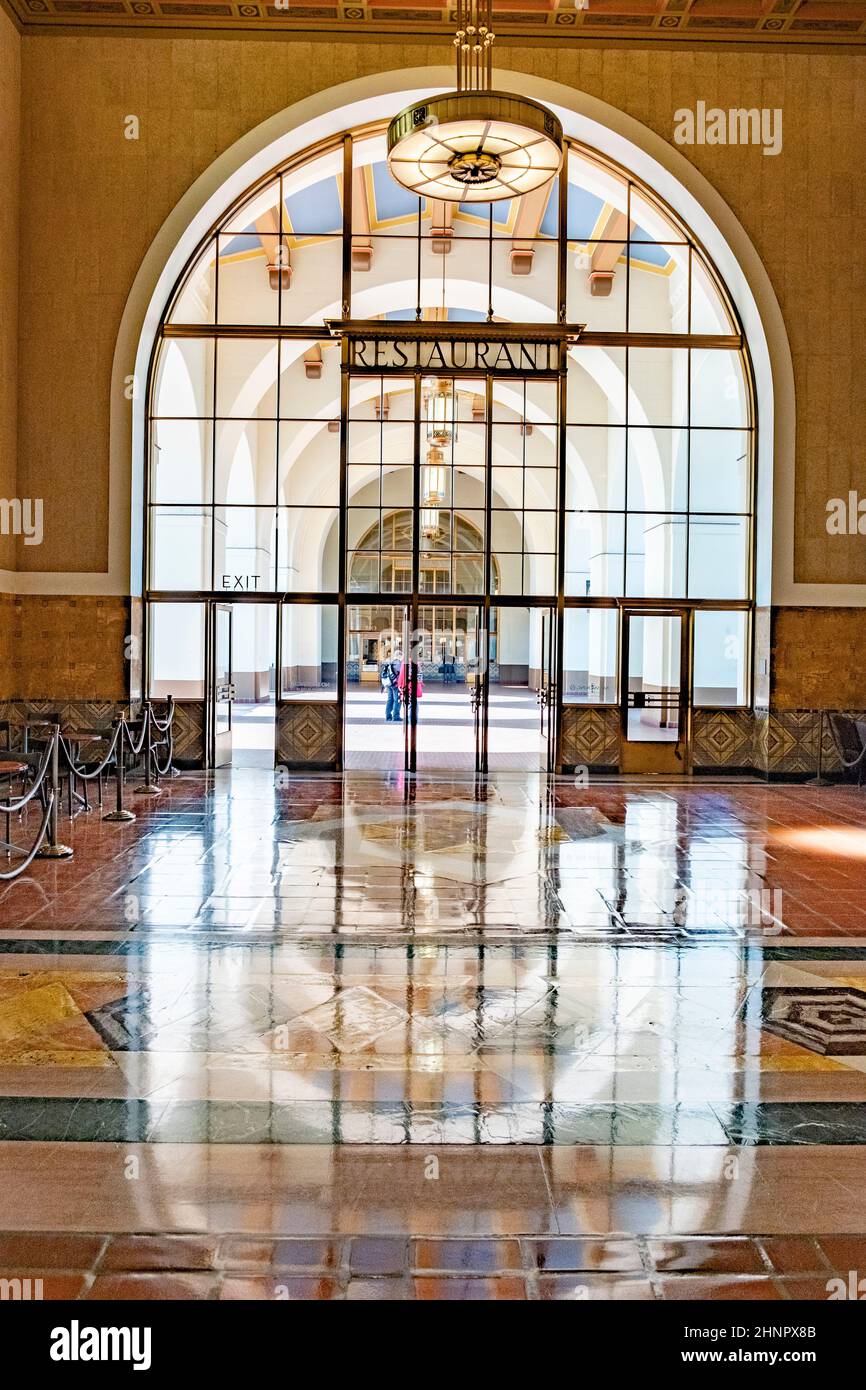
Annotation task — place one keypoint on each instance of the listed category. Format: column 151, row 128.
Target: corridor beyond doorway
column 485, row 673
column 252, row 716
column 446, row 731
column 253, row 741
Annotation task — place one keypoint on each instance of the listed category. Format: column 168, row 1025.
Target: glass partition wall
column 490, row 442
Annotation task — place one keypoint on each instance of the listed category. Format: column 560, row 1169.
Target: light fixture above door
column 440, row 408
column 474, row 145
column 433, row 493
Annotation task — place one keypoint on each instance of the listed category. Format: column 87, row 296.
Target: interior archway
column 612, row 132
column 657, row 423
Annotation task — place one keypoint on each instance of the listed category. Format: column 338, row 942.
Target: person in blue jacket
column 390, row 684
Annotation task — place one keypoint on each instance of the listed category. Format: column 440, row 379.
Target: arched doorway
column 567, row 368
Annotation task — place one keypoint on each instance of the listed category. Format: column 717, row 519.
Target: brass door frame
column 548, row 693
column 216, row 742
column 476, row 684
column 401, row 610
column 659, row 757
column 549, row 668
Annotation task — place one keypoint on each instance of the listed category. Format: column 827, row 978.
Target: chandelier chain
column 473, row 43
column 474, row 144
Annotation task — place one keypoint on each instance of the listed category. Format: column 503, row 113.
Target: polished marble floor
column 358, row 1015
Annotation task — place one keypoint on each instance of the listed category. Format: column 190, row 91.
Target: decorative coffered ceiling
column 730, row 22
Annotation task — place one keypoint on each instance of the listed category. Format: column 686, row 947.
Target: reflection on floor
column 253, row 734
column 449, row 1045
column 446, row 730
column 366, row 1038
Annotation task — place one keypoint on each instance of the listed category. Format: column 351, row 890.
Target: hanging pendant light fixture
column 439, row 407
column 429, row 523
column 433, row 493
column 433, row 488
column 474, row 145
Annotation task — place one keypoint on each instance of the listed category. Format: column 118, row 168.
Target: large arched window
column 634, row 484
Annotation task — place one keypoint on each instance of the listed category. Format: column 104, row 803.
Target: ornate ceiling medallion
column 474, row 145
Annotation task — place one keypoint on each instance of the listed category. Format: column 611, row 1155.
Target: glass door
column 654, row 691
column 448, row 719
column 376, row 733
column 221, row 686
column 519, row 689
column 452, row 495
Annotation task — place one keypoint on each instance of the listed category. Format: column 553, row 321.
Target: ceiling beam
column 313, row 362
column 276, row 251
column 441, row 227
column 362, row 242
column 530, row 212
column 606, row 254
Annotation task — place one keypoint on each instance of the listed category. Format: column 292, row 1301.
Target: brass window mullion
column 418, row 305
column 416, row 549
column 213, row 445
column 688, row 466
column 248, row 330
column 555, row 711
column 348, row 164
column 562, row 247
column 482, row 753
column 562, row 516
column 490, row 265
column 342, row 520
column 342, row 561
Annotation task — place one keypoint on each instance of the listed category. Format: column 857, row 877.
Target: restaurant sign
column 501, row 356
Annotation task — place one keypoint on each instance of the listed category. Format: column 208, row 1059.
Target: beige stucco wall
column 92, row 202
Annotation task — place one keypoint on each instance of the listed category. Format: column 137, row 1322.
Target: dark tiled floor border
column 152, row 1265
column 90, row 1119
column 182, row 938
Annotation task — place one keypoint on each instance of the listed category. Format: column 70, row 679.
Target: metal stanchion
column 119, row 813
column 820, row 780
column 53, row 849
column 150, row 788
column 168, row 741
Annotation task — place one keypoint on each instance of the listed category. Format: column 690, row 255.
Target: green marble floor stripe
column 52, row 1119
